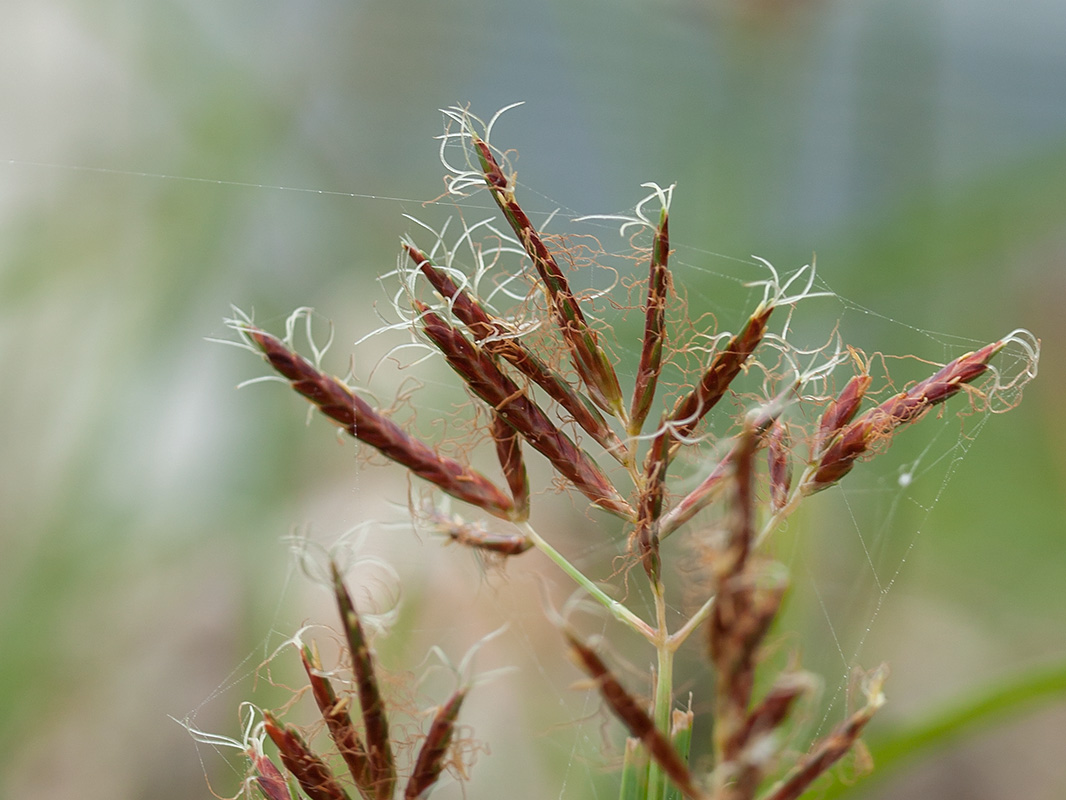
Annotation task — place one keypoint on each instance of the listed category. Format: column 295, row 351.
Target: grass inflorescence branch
column 772, row 433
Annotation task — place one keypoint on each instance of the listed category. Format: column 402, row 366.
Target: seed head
column 353, row 414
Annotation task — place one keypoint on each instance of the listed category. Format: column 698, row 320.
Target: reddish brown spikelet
column 771, row 711
column 589, row 358
column 650, row 506
column 473, row 534
column 743, row 611
column 699, row 498
column 509, row 452
column 382, row 768
column 741, row 618
column 637, row 721
column 465, row 307
column 344, row 408
column 497, row 339
column 310, row 771
column 724, row 367
column 269, row 778
column 710, row 487
column 825, row 753
column 778, row 453
column 877, row 425
column 430, row 760
column 501, row 544
column 651, row 353
column 743, row 531
column 485, row 379
column 338, row 721
column 646, row 537
column 841, row 410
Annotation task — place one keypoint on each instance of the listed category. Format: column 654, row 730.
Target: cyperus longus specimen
column 537, row 359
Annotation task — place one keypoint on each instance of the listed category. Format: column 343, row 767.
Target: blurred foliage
column 919, row 148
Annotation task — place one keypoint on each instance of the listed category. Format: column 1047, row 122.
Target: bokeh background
column 919, row 147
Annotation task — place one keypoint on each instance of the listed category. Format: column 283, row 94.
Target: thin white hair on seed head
column 315, row 559
column 240, row 322
column 469, row 175
column 486, row 245
column 492, row 281
column 776, row 293
column 252, row 733
column 710, row 342
column 463, row 671
column 638, row 219
column 294, row 642
column 488, row 257
column 810, row 366
column 1004, row 390
column 380, row 609
column 677, row 428
column 1029, row 346
column 497, row 115
column 307, row 314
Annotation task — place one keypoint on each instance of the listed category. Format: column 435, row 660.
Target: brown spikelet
column 773, row 709
column 650, row 506
column 339, row 722
column 646, row 537
column 381, row 767
column 830, row 749
column 349, row 411
column 509, row 453
column 591, row 361
column 725, row 366
column 877, row 425
column 269, row 778
column 841, row 410
column 485, row 379
column 474, row 535
column 430, row 760
column 699, row 498
column 744, row 608
column 743, row 527
column 711, row 486
column 637, row 721
column 651, row 353
column 501, row 544
column 496, row 339
column 310, row 771
column 779, row 457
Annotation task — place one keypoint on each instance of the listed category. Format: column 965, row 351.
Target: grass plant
column 536, row 356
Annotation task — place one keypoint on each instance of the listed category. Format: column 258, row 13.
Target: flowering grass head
column 535, row 357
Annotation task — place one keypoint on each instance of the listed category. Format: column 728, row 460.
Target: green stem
column 678, row 638
column 618, row 610
column 664, row 691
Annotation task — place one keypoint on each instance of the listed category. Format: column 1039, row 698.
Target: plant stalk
column 664, row 691
column 618, row 610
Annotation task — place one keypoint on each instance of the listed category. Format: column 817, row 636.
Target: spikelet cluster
column 533, row 352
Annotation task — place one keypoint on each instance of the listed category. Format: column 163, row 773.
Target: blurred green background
column 919, row 147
